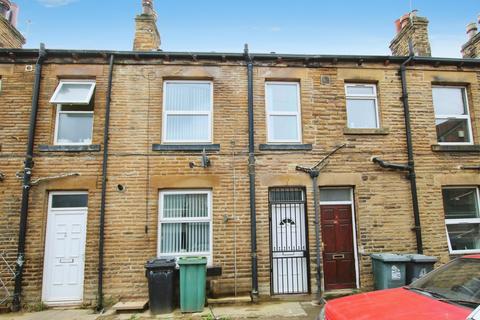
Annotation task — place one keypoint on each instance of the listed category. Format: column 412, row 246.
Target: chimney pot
column 4, row 7
column 398, row 26
column 14, row 14
column 404, row 20
column 148, row 7
column 472, row 30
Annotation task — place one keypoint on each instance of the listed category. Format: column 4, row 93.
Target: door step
column 289, row 297
column 229, row 300
column 126, row 306
column 332, row 294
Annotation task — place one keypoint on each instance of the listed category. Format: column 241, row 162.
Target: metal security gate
column 288, row 239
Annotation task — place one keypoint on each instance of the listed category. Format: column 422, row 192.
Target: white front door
column 65, row 248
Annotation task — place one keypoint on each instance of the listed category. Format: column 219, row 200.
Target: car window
column 458, row 280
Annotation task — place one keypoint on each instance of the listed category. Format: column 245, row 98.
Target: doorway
column 64, row 263
column 288, row 240
column 338, row 238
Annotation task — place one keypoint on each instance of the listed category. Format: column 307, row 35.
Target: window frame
column 162, row 220
column 83, row 102
column 461, row 221
column 166, row 113
column 447, row 116
column 65, row 193
column 373, row 96
column 269, row 113
column 57, row 121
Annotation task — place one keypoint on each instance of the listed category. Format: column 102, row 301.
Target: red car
column 449, row 292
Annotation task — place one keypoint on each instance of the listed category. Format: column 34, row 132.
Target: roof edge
column 237, row 56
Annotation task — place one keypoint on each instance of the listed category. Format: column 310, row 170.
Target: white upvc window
column 452, row 117
column 74, row 116
column 362, row 106
column 187, row 112
column 283, row 112
column 185, row 224
column 462, row 218
column 73, row 92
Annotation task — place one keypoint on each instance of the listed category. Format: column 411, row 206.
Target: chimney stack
column 471, row 49
column 411, row 27
column 10, row 37
column 147, row 37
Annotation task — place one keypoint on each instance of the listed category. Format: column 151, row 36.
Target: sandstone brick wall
column 15, row 99
column 383, row 210
column 10, row 37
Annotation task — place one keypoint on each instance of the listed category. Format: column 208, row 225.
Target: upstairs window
column 74, row 118
column 462, row 218
column 362, row 106
column 452, row 118
column 187, row 112
column 283, row 112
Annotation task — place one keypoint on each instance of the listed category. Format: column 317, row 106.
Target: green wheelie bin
column 193, row 278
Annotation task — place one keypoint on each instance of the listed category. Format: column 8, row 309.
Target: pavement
column 264, row 310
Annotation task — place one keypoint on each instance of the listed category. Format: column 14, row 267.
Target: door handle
column 338, row 256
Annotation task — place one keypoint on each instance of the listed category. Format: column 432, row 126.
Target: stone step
column 130, row 305
column 229, row 300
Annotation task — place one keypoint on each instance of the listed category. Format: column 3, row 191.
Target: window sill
column 456, row 148
column 72, row 148
column 358, row 131
column 285, row 147
column 185, row 147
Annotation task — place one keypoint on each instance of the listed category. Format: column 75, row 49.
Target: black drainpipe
column 104, row 186
column 26, row 184
column 411, row 164
column 251, row 175
column 316, row 205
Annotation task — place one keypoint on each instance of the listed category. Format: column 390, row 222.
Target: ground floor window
column 462, row 218
column 185, row 226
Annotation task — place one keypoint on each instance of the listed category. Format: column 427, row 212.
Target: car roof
column 472, row 256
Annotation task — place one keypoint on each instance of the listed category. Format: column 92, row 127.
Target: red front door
column 338, row 254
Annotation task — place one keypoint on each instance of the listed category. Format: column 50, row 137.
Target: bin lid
column 389, row 257
column 421, row 258
column 192, row 260
column 161, row 263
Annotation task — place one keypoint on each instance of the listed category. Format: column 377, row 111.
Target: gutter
column 26, row 183
column 251, row 174
column 101, row 244
column 12, row 54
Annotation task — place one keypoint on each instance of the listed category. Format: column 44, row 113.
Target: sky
column 363, row 27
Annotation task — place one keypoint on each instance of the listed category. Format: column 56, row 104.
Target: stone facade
column 382, row 199
column 471, row 49
column 147, row 37
column 10, row 37
column 415, row 29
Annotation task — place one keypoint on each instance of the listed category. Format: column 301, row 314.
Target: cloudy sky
column 284, row 26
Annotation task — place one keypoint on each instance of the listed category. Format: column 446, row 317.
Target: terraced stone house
column 110, row 158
